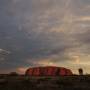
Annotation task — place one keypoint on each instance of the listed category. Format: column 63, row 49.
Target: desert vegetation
column 21, row 82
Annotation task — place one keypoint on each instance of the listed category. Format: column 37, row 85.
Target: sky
column 44, row 33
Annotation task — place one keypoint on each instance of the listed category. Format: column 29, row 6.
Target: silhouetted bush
column 13, row 74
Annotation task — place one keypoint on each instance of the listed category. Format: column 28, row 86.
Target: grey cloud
column 85, row 37
column 40, row 29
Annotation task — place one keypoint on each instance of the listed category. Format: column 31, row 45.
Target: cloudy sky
column 44, row 32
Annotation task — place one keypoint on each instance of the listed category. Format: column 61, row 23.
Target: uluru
column 48, row 71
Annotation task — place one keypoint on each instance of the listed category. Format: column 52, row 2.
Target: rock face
column 48, row 71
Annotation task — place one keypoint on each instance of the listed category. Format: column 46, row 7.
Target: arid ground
column 44, row 83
